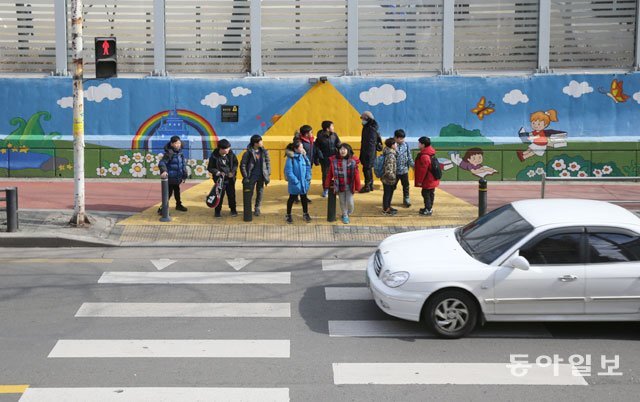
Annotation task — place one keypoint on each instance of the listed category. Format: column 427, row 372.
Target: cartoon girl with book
column 540, row 138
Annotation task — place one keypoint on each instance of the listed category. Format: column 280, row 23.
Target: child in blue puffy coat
column 297, row 171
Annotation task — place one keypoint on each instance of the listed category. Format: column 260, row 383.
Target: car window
column 489, row 236
column 613, row 247
column 562, row 248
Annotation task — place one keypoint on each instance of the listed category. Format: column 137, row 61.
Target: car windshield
column 489, row 236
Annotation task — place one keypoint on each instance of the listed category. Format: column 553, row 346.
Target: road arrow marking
column 162, row 264
column 239, row 263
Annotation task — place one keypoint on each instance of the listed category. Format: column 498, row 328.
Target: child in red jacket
column 423, row 176
column 343, row 176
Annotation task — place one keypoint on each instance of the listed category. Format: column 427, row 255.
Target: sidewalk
column 124, row 214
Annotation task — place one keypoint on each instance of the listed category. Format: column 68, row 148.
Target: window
column 562, row 248
column 613, row 247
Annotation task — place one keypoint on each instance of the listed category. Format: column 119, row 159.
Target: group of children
column 339, row 165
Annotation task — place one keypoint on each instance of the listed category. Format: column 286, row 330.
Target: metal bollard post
column 331, row 206
column 247, row 195
column 165, row 200
column 482, row 197
column 12, row 209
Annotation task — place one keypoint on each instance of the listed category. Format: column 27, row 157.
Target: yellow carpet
column 448, row 210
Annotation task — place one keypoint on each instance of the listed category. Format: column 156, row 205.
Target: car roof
column 541, row 212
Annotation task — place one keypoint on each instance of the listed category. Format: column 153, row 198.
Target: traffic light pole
column 79, row 216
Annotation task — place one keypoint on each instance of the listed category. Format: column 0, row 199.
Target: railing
column 11, row 207
column 545, row 179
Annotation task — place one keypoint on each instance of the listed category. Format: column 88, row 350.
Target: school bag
column 213, row 198
column 436, row 171
column 378, row 166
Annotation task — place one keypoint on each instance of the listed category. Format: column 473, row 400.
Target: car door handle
column 567, row 278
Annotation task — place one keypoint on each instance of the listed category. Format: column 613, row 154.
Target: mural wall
column 500, row 128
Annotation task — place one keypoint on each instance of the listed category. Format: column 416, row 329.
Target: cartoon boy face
column 476, row 159
column 538, row 125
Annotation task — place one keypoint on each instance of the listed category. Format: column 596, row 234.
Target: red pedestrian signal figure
column 105, row 48
column 106, row 57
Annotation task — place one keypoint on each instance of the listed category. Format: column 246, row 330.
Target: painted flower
column 189, row 170
column 531, row 173
column 209, row 175
column 199, row 170
column 574, row 167
column 155, row 169
column 124, row 160
column 559, row 165
column 159, row 157
column 192, row 162
column 606, row 169
column 582, row 174
column 115, row 169
column 149, row 158
column 101, row 171
column 137, row 157
column 205, row 163
column 540, row 171
column 565, row 173
column 138, row 170
column 597, row 172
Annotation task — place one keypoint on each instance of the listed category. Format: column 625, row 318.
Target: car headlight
column 395, row 279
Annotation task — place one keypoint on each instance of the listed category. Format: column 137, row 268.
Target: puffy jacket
column 225, row 164
column 390, row 166
column 369, row 143
column 174, row 164
column 352, row 177
column 249, row 161
column 424, row 177
column 297, row 171
column 326, row 146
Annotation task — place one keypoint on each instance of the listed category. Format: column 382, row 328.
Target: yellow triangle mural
column 322, row 102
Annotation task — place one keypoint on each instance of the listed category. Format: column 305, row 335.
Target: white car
column 531, row 260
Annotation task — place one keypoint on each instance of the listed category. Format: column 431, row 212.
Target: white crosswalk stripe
column 196, row 278
column 167, row 310
column 344, row 265
column 165, row 394
column 343, row 293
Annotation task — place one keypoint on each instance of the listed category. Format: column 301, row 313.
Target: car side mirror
column 519, row 262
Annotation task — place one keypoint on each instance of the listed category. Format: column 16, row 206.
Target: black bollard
column 165, row 200
column 12, row 209
column 482, row 197
column 331, row 206
column 247, row 195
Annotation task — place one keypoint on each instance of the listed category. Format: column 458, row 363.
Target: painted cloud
column 386, row 94
column 213, row 100
column 93, row 94
column 514, row 97
column 240, row 91
column 577, row 89
column 636, row 97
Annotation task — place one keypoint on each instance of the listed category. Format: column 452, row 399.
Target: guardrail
column 11, row 207
column 545, row 179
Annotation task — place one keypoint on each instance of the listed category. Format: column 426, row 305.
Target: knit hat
column 368, row 115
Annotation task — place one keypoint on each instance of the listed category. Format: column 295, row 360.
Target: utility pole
column 79, row 216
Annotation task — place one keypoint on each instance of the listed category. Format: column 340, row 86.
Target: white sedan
column 531, row 260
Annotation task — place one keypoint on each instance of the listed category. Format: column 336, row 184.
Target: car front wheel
column 451, row 314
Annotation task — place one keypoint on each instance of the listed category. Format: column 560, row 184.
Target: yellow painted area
column 13, row 389
column 62, row 260
column 448, row 210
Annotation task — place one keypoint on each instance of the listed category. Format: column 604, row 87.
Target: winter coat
column 390, row 166
column 174, row 163
column 297, row 171
column 225, row 164
column 369, row 143
column 337, row 178
column 423, row 176
column 307, row 144
column 326, row 146
column 405, row 160
column 249, row 161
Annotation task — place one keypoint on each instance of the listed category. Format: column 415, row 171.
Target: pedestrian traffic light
column 106, row 59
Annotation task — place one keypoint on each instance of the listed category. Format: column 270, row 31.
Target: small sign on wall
column 229, row 113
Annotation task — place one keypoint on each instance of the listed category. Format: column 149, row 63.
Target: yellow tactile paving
column 448, row 211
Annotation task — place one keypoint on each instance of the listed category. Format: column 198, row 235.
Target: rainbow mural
column 192, row 119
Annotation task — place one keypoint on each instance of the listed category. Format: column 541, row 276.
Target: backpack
column 378, row 166
column 436, row 171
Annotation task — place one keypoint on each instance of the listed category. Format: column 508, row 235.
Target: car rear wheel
column 451, row 314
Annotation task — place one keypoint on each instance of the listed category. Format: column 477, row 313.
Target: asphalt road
column 271, row 334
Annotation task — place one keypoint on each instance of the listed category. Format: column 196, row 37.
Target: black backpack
column 436, row 171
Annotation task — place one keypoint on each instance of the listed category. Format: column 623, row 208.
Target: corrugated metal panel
column 207, row 36
column 496, row 35
column 304, row 36
column 130, row 21
column 400, row 35
column 592, row 34
column 27, row 36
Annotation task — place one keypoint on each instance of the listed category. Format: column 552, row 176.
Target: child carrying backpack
column 297, row 171
column 388, row 177
column 344, row 177
column 427, row 174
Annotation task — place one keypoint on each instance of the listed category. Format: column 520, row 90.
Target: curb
column 20, row 240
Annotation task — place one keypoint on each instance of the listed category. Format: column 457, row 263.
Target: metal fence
column 333, row 36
